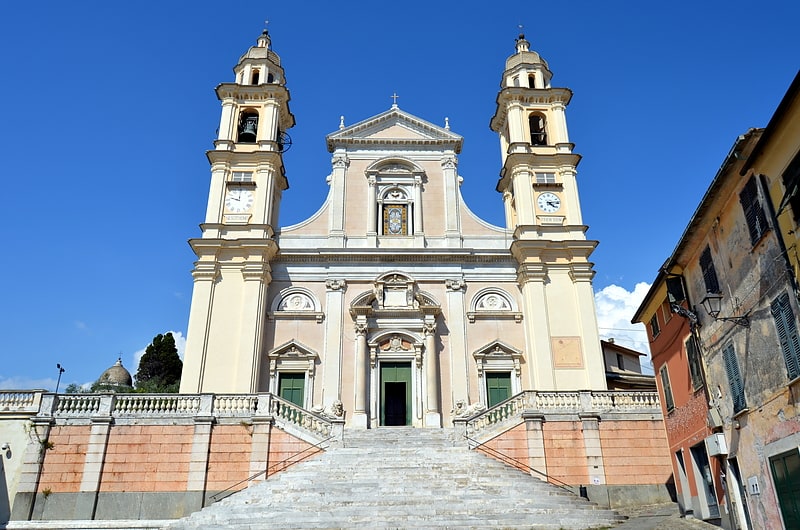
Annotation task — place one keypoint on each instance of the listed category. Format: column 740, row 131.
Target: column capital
column 340, row 161
column 457, row 284
column 361, row 329
column 207, row 271
column 335, row 284
column 581, row 272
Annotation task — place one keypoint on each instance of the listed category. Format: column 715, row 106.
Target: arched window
column 255, row 76
column 270, row 78
column 248, row 126
column 531, row 80
column 538, row 131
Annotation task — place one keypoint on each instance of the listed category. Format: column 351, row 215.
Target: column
column 452, row 229
column 332, row 360
column 338, row 200
column 594, row 452
column 360, row 418
column 418, row 228
column 372, row 213
column 226, row 124
column 432, row 416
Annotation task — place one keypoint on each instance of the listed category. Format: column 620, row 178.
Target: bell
column 248, row 128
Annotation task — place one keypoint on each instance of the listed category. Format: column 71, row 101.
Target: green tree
column 160, row 366
column 75, row 388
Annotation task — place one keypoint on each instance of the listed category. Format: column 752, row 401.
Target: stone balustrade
column 153, row 408
column 19, row 401
column 599, row 403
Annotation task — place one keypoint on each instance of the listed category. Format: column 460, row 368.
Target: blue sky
column 109, row 107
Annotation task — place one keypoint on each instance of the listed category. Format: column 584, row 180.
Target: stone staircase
column 400, row 477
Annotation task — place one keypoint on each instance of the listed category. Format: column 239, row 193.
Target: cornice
column 423, row 255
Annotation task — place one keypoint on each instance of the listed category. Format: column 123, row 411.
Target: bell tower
column 232, row 271
column 540, row 197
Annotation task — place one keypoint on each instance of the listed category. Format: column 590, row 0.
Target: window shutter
column 709, row 272
column 734, row 378
column 669, row 402
column 787, row 334
column 753, row 212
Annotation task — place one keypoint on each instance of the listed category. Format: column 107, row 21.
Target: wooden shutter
column 709, row 272
column 787, row 333
column 669, row 402
column 753, row 212
column 734, row 378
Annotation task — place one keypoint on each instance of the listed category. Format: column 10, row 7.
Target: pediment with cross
column 394, row 127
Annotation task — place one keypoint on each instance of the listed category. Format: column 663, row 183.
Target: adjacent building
column 731, row 284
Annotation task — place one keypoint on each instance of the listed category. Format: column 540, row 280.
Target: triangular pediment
column 394, row 127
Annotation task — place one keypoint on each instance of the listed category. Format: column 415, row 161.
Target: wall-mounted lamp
column 713, row 303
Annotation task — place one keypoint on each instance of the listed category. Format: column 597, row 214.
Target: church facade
column 393, row 304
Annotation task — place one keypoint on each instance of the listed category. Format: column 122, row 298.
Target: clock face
column 238, row 200
column 548, row 202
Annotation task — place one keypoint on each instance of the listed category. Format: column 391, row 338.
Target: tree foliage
column 160, row 366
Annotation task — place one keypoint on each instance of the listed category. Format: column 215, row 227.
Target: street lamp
column 712, row 303
column 60, row 371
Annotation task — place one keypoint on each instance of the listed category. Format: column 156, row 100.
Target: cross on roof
column 394, row 99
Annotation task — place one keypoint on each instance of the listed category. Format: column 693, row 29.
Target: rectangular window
column 734, row 378
column 654, row 328
column 620, row 361
column 668, row 401
column 242, row 176
column 693, row 356
column 753, row 211
column 545, row 178
column 709, row 272
column 787, row 333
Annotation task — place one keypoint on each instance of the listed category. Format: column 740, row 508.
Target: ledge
column 485, row 315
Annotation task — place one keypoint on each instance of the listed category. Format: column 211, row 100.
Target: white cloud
column 17, row 382
column 180, row 344
column 615, row 308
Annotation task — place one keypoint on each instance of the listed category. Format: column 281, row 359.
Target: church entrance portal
column 395, row 394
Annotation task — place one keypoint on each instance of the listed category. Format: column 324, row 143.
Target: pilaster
column 360, row 416
column 456, row 321
column 537, row 459
column 594, row 451
column 332, row 364
column 432, row 416
column 95, row 456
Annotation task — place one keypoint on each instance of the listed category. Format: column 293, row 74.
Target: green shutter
column 291, row 387
column 734, row 378
column 787, row 333
column 669, row 402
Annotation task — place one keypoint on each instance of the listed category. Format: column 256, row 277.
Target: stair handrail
column 316, row 424
column 506, row 459
column 317, row 447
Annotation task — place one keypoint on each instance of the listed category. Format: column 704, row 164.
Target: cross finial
column 266, row 23
column 394, row 99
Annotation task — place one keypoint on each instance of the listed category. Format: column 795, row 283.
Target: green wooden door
column 786, row 473
column 498, row 387
column 395, row 393
column 291, row 387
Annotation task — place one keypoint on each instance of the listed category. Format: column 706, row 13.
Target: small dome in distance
column 115, row 377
